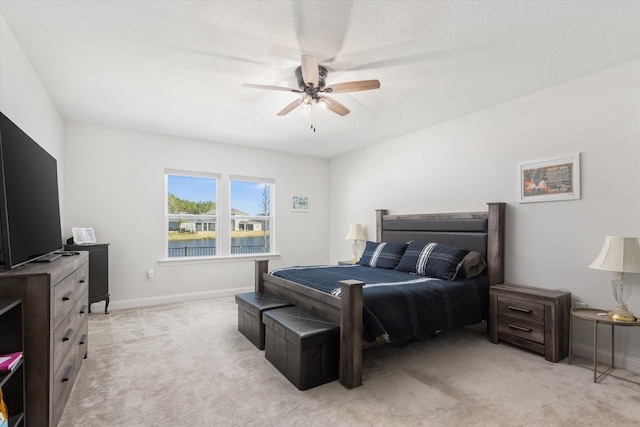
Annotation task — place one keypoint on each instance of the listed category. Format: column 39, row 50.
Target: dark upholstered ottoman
column 251, row 305
column 304, row 348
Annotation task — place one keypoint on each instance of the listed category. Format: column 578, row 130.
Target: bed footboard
column 345, row 311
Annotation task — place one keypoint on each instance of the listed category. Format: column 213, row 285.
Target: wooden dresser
column 532, row 318
column 55, row 305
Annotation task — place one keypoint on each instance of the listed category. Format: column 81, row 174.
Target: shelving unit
column 11, row 341
column 55, row 307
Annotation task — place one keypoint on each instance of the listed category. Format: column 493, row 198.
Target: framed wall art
column 549, row 180
column 300, row 203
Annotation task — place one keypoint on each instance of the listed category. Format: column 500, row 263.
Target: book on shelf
column 9, row 361
column 4, row 413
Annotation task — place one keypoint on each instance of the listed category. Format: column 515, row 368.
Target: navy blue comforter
column 401, row 306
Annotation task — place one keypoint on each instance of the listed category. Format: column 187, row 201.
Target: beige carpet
column 185, row 364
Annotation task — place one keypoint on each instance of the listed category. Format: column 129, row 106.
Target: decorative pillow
column 382, row 255
column 472, row 265
column 432, row 260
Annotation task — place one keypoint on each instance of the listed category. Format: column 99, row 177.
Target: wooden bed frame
column 480, row 231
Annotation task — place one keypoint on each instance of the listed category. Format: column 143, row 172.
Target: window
column 191, row 215
column 198, row 203
column 250, row 216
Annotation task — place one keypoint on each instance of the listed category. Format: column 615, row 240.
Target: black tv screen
column 29, row 205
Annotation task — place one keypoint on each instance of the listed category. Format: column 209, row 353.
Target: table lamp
column 355, row 233
column 622, row 255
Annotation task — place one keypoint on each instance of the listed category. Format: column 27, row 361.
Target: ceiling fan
column 311, row 82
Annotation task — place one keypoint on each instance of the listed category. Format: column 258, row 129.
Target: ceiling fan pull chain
column 313, row 115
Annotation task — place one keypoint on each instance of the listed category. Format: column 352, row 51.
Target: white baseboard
column 97, row 307
column 621, row 361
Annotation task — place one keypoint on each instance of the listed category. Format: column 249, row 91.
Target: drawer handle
column 82, row 281
column 83, row 309
column 520, row 328
column 68, row 335
column 67, row 296
column 67, row 374
column 83, row 339
column 524, row 310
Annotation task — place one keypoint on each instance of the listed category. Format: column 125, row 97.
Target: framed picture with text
column 549, row 180
column 300, row 203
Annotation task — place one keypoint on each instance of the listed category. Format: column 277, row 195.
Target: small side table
column 98, row 271
column 345, row 262
column 597, row 317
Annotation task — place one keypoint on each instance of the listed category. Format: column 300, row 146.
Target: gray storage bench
column 251, row 306
column 303, row 347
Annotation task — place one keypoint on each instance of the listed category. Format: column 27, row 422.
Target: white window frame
column 272, row 234
column 223, row 219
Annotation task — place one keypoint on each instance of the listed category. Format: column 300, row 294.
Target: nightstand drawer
column 527, row 329
column 522, row 309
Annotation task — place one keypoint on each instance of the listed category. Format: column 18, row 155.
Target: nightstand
column 533, row 318
column 597, row 316
column 345, row 262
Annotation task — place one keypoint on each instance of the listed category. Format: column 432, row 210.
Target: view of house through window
column 250, row 213
column 195, row 211
column 191, row 216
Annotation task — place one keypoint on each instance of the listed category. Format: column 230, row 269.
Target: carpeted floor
column 185, row 364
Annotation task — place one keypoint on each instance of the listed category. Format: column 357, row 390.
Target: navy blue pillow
column 382, row 255
column 432, row 260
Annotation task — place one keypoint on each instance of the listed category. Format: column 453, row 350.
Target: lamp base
column 622, row 316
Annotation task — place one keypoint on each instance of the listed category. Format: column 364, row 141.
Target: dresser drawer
column 63, row 382
column 82, row 280
column 532, row 331
column 63, row 337
column 82, row 344
column 521, row 309
column 64, row 298
column 65, row 334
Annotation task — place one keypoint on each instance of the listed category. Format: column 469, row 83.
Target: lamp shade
column 620, row 254
column 356, row 233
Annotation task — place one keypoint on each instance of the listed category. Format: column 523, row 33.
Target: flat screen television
column 29, row 204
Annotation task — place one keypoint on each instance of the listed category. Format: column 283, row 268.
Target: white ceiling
column 176, row 67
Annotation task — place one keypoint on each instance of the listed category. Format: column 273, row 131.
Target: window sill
column 216, row 259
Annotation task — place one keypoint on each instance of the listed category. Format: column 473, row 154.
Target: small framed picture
column 300, row 203
column 83, row 236
column 549, row 180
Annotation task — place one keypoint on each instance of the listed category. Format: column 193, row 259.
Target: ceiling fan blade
column 309, row 70
column 335, row 106
column 353, row 86
column 289, row 108
column 286, row 89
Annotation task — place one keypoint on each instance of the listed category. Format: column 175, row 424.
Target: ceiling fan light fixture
column 322, row 103
column 305, row 109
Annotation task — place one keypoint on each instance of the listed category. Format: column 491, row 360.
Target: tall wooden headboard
column 478, row 231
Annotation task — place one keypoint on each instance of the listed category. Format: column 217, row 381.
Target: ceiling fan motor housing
column 322, row 76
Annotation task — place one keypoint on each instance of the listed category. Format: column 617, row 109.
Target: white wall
column 464, row 163
column 25, row 101
column 115, row 184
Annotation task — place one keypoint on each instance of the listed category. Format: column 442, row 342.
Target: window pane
column 191, row 215
column 250, row 217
